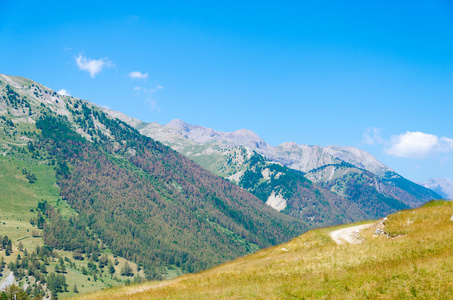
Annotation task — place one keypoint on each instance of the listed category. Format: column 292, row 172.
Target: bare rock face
column 276, row 202
column 301, row 157
column 359, row 158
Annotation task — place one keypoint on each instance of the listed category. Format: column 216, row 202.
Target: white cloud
column 64, row 92
column 152, row 104
column 93, row 66
column 418, row 145
column 148, row 94
column 138, row 75
column 372, row 136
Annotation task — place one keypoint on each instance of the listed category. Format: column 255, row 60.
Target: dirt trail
column 140, row 289
column 349, row 235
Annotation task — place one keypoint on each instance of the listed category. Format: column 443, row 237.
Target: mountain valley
column 92, row 198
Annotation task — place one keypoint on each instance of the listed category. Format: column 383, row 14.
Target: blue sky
column 377, row 75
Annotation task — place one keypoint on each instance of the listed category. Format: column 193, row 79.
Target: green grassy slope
column 412, row 260
column 19, row 198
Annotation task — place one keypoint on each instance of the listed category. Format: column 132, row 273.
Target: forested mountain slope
column 143, row 200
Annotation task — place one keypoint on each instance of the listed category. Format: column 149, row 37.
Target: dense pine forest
column 155, row 207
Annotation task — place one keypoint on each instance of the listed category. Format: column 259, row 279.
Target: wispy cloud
column 148, row 94
column 138, row 75
column 92, row 66
column 418, row 145
column 64, row 92
column 372, row 136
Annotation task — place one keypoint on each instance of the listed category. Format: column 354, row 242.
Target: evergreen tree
column 111, row 268
column 126, row 270
column 4, row 241
column 2, row 263
column 9, row 248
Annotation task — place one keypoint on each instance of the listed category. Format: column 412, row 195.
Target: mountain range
column 350, row 173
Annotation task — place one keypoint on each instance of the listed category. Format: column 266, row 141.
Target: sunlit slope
column 412, row 259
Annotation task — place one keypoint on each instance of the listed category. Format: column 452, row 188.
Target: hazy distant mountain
column 442, row 186
column 298, row 157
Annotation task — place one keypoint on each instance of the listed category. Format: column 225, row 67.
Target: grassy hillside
column 412, row 259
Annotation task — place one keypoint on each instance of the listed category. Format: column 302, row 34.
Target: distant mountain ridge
column 299, row 157
column 442, row 186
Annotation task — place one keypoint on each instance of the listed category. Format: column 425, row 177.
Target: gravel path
column 140, row 289
column 349, row 235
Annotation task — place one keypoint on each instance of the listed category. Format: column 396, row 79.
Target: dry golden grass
column 417, row 264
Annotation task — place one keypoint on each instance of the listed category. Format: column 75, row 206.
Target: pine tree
column 111, row 268
column 126, row 270
column 75, row 289
column 20, row 246
column 5, row 241
column 9, row 248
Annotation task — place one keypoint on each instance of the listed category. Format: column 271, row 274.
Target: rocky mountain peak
column 178, row 124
